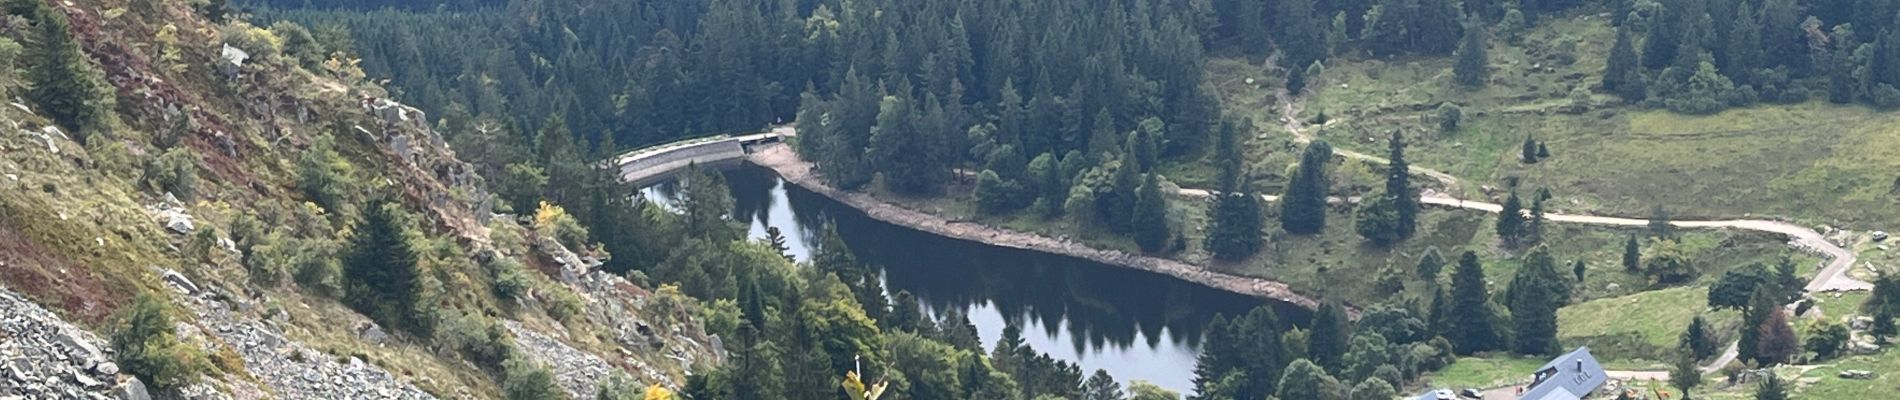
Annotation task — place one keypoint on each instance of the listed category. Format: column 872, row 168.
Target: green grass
column 1813, row 162
column 1475, row 372
column 1640, row 328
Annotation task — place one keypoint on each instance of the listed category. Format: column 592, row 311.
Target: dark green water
column 1135, row 324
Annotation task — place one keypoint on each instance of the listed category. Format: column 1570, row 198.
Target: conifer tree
column 1326, row 340
column 1472, row 59
column 1623, row 67
column 1536, row 291
column 1684, row 375
column 1529, row 153
column 1126, row 182
column 381, row 276
column 1303, row 209
column 1398, row 185
column 63, row 82
column 1235, row 231
column 1533, row 232
column 1510, row 224
column 1698, row 339
column 1430, row 264
column 1151, row 217
column 1470, row 313
column 1771, row 388
column 1632, row 255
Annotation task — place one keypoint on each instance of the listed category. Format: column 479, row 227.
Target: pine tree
column 1577, row 268
column 1470, row 311
column 1303, row 209
column 1151, row 217
column 1742, row 52
column 1771, row 388
column 1377, row 221
column 1543, row 150
column 1760, row 305
column 381, row 276
column 1510, row 224
column 1536, row 291
column 1683, row 374
column 1471, row 58
column 1632, row 255
column 1235, row 231
column 1430, row 264
column 1533, row 232
column 1659, row 225
column 64, row 83
column 1698, row 339
column 1529, row 153
column 1326, row 340
column 1398, row 185
column 1126, row 184
column 1623, row 67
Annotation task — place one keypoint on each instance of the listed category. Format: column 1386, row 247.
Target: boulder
column 1856, row 374
column 78, row 347
column 177, row 221
column 179, row 281
column 107, row 368
column 132, row 389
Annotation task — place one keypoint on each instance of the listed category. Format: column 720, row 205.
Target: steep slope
column 226, row 180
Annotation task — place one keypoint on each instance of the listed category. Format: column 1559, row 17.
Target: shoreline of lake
column 782, row 160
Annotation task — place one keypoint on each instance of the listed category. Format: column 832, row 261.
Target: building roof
column 1568, row 377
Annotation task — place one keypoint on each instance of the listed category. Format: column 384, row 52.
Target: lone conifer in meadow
column 1529, row 153
column 1303, row 210
column 1471, row 62
column 1632, row 255
column 1398, row 185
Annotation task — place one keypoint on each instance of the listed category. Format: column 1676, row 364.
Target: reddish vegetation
column 49, row 278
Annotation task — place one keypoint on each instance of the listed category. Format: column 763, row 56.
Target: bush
column 176, row 172
column 147, row 347
column 509, row 282
column 1449, row 116
column 484, row 341
column 1885, row 96
column 525, row 380
column 562, row 305
column 260, row 43
column 555, row 222
column 324, row 176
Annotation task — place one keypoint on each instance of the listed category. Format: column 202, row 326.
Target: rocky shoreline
column 786, row 162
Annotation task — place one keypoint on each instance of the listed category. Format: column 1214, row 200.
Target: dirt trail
column 787, row 164
column 1832, row 277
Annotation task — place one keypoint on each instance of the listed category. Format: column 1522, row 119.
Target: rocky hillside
column 223, row 169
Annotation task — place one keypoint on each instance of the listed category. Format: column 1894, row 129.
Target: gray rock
column 77, row 346
column 179, row 281
column 1857, row 374
column 107, row 368
column 177, row 221
column 132, row 389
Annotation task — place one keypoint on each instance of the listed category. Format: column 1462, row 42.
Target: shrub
column 147, row 347
column 509, row 283
column 176, row 171
column 525, row 380
column 562, row 305
column 484, row 341
column 555, row 222
column 262, row 44
column 324, row 176
column 1449, row 116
